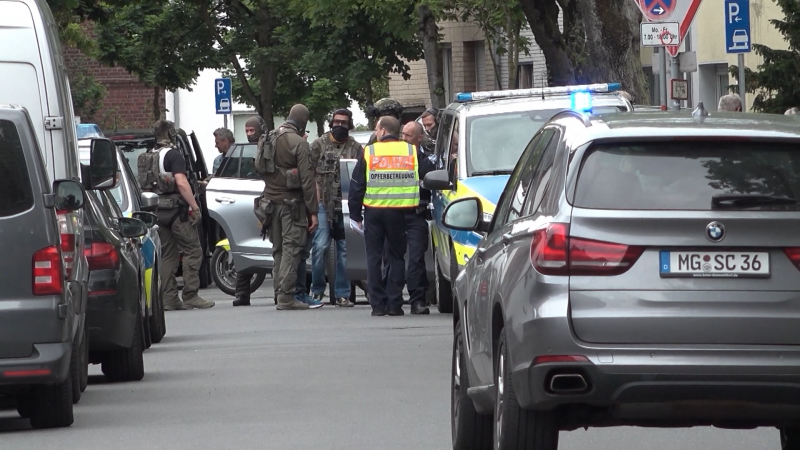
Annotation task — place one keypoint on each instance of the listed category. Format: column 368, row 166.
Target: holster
column 295, row 208
column 263, row 209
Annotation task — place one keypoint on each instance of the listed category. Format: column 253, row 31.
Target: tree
column 428, row 10
column 599, row 41
column 777, row 81
column 146, row 39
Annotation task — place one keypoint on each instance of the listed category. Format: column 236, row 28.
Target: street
column 257, row 378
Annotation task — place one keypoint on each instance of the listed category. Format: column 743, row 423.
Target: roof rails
column 463, row 97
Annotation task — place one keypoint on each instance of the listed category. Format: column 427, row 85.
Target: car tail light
column 555, row 252
column 47, row 276
column 102, row 255
column 27, row 373
column 793, row 253
column 67, row 234
column 559, row 359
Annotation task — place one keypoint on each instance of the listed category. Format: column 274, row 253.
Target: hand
column 195, row 216
column 313, row 223
column 357, row 226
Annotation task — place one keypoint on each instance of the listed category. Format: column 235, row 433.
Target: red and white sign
column 681, row 11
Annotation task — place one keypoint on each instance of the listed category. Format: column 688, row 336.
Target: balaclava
column 257, row 123
column 298, row 116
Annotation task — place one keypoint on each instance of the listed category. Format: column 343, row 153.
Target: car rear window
column 16, row 194
column 688, row 175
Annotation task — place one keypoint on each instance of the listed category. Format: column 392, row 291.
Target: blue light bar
column 556, row 90
column 581, row 101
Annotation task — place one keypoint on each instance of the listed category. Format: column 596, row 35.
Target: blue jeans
column 322, row 237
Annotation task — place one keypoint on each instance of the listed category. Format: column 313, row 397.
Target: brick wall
column 128, row 103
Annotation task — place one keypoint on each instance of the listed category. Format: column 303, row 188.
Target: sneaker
column 319, row 297
column 344, row 302
column 308, row 300
column 293, row 305
column 197, row 303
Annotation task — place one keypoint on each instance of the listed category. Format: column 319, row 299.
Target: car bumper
column 110, row 322
column 641, row 385
column 49, row 364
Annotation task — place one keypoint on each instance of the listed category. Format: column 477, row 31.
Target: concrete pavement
column 257, row 378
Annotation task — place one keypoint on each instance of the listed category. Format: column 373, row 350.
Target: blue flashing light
column 464, row 97
column 581, row 101
column 614, row 87
column 537, row 92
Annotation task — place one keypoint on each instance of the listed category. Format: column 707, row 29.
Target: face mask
column 254, row 137
column 340, row 133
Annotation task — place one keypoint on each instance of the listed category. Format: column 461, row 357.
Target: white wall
column 194, row 110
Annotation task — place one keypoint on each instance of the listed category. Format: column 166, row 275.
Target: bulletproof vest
column 152, row 176
column 264, row 161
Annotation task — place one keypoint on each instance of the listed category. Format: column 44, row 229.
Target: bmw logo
column 715, row 231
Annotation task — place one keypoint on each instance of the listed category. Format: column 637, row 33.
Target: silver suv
column 640, row 269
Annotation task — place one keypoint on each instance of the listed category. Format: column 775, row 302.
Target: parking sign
column 222, row 95
column 737, row 26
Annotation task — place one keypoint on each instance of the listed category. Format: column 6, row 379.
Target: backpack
column 150, row 176
column 264, row 162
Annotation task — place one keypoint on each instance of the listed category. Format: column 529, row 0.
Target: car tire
column 223, row 275
column 515, row 428
column 156, row 320
column 470, row 430
column 790, row 438
column 444, row 288
column 127, row 364
column 51, row 405
column 148, row 342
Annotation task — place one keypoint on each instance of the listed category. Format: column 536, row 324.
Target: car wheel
column 470, row 430
column 146, row 334
column 51, row 405
column 444, row 295
column 514, row 427
column 790, row 438
column 127, row 364
column 223, row 272
column 157, row 322
column 257, row 281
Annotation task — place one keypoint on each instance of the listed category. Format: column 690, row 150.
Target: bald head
column 389, row 125
column 412, row 133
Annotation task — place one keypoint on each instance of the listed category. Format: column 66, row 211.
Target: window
column 16, row 193
column 248, row 162
column 525, row 75
column 541, row 180
column 480, row 66
column 687, row 175
column 230, row 165
column 443, row 140
column 447, row 73
column 510, row 208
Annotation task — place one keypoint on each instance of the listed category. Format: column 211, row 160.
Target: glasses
column 343, row 123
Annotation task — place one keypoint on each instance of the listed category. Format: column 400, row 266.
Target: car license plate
column 714, row 264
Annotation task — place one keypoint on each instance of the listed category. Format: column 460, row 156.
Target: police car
column 481, row 136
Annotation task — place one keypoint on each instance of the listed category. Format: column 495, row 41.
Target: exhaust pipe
column 568, row 383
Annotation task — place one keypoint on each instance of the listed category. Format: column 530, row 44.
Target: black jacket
column 358, row 183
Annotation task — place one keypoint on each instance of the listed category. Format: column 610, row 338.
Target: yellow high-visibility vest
column 392, row 175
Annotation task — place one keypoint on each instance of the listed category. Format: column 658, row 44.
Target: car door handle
column 225, row 200
column 480, row 253
column 507, row 238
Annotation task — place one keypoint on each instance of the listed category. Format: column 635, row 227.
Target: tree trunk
column 557, row 47
column 429, row 35
column 491, row 43
column 613, row 45
column 156, row 104
column 370, row 100
column 268, row 82
column 320, row 125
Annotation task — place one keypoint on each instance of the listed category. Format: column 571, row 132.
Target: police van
column 481, row 136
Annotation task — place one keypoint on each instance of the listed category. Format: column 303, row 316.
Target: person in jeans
column 326, row 153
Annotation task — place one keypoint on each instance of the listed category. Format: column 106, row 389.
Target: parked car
column 43, row 343
column 131, row 200
column 118, row 327
column 134, row 142
column 481, row 136
column 640, row 269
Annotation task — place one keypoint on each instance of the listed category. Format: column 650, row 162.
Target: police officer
column 291, row 197
column 384, row 107
column 163, row 171
column 385, row 182
column 326, row 153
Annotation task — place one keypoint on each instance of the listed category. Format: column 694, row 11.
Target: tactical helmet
column 385, row 107
column 164, row 130
column 342, row 112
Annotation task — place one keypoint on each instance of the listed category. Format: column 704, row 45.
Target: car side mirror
column 131, row 228
column 148, row 218
column 68, row 195
column 464, row 214
column 149, row 201
column 102, row 164
column 437, row 180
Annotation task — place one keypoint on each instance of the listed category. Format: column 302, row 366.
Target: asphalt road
column 257, row 378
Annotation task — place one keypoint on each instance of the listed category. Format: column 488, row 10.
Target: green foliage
column 777, row 81
column 87, row 95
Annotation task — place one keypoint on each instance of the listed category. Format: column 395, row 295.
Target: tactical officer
column 289, row 201
column 326, row 152
column 386, row 183
column 381, row 108
column 163, row 170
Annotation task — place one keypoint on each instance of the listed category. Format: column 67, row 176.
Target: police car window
column 248, row 168
column 451, row 160
column 528, row 169
column 495, row 142
column 543, row 175
column 16, row 194
column 443, row 142
column 230, row 165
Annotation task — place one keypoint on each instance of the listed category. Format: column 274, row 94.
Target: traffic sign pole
column 674, row 75
column 737, row 36
column 741, row 81
column 662, row 76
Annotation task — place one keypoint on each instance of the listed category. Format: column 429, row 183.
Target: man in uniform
column 386, row 183
column 291, row 201
column 326, row 153
column 163, row 170
column 384, row 107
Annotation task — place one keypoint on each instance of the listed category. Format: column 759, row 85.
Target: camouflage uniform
column 384, row 107
column 325, row 156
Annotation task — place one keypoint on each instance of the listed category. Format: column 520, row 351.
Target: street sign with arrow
column 681, row 11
